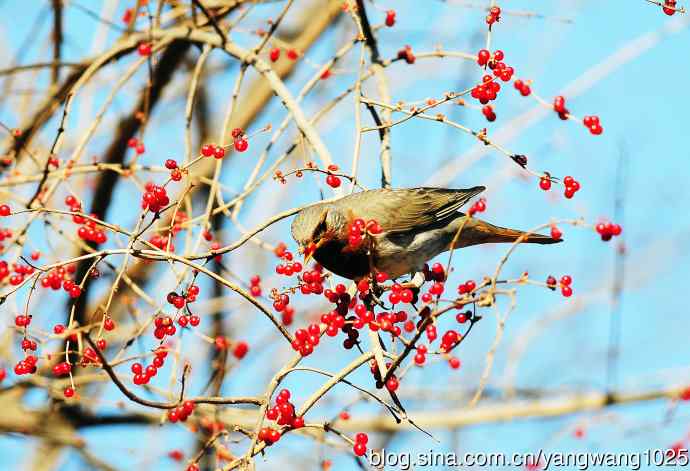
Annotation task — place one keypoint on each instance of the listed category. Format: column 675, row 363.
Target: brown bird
column 416, row 225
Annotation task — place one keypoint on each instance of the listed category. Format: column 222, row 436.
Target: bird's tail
column 477, row 232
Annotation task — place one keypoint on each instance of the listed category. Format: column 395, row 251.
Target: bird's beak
column 309, row 250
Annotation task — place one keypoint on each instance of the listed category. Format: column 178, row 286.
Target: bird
column 414, row 226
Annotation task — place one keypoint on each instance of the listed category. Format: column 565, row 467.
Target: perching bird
column 416, row 225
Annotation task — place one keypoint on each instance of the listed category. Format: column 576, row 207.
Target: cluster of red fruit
column 137, row 145
column 274, row 54
column 4, row 234
column 592, row 123
column 392, row 384
column 669, row 7
column 88, row 231
column 566, row 281
column 28, row 344
column 466, row 287
column 306, row 339
column 62, row 369
column 607, row 230
column 175, row 172
column 494, row 15
column 572, row 186
column 161, row 241
column 240, row 139
column 283, row 412
column 449, row 340
column 55, row 278
column 22, row 320
column 479, row 206
column 164, row 325
column 154, row 198
column 181, row 412
column 522, row 87
column 486, row 91
column 360, row 446
column 20, row 271
column 255, row 286
column 386, row 322
column 489, row 113
column 359, row 228
column 333, row 180
column 26, row 366
column 312, row 280
column 398, row 294
column 212, row 150
column 407, row 54
column 290, row 267
column 143, row 375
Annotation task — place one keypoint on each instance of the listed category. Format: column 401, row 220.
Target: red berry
column 483, row 57
column 5, row 210
column 144, row 49
column 333, row 181
column 390, row 18
column 241, row 145
column 545, row 183
column 359, row 449
column 274, row 55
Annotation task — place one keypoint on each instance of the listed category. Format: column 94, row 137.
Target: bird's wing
column 401, row 210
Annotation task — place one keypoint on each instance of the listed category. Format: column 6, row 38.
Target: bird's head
column 316, row 225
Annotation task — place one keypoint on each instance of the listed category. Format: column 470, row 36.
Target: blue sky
column 642, row 104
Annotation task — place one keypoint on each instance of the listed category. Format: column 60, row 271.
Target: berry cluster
column 449, row 340
column 392, row 384
column 592, row 123
column 290, row 267
column 154, row 198
column 398, row 294
column 572, row 186
column 212, row 150
column 283, row 412
column 175, row 172
column 669, row 7
column 62, row 369
column 333, row 180
column 494, row 15
column 20, row 272
column 137, row 145
column 240, row 138
column 486, row 91
column 360, row 446
column 479, row 206
column 489, row 113
column 255, row 286
column 466, row 287
column 161, row 241
column 269, row 435
column 88, row 231
column 26, row 366
column 566, row 281
column 306, row 339
column 181, row 412
column 164, row 325
column 22, row 320
column 607, row 230
column 28, row 344
column 522, row 87
column 358, row 229
column 312, row 280
column 407, row 54
column 143, row 375
column 274, row 54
